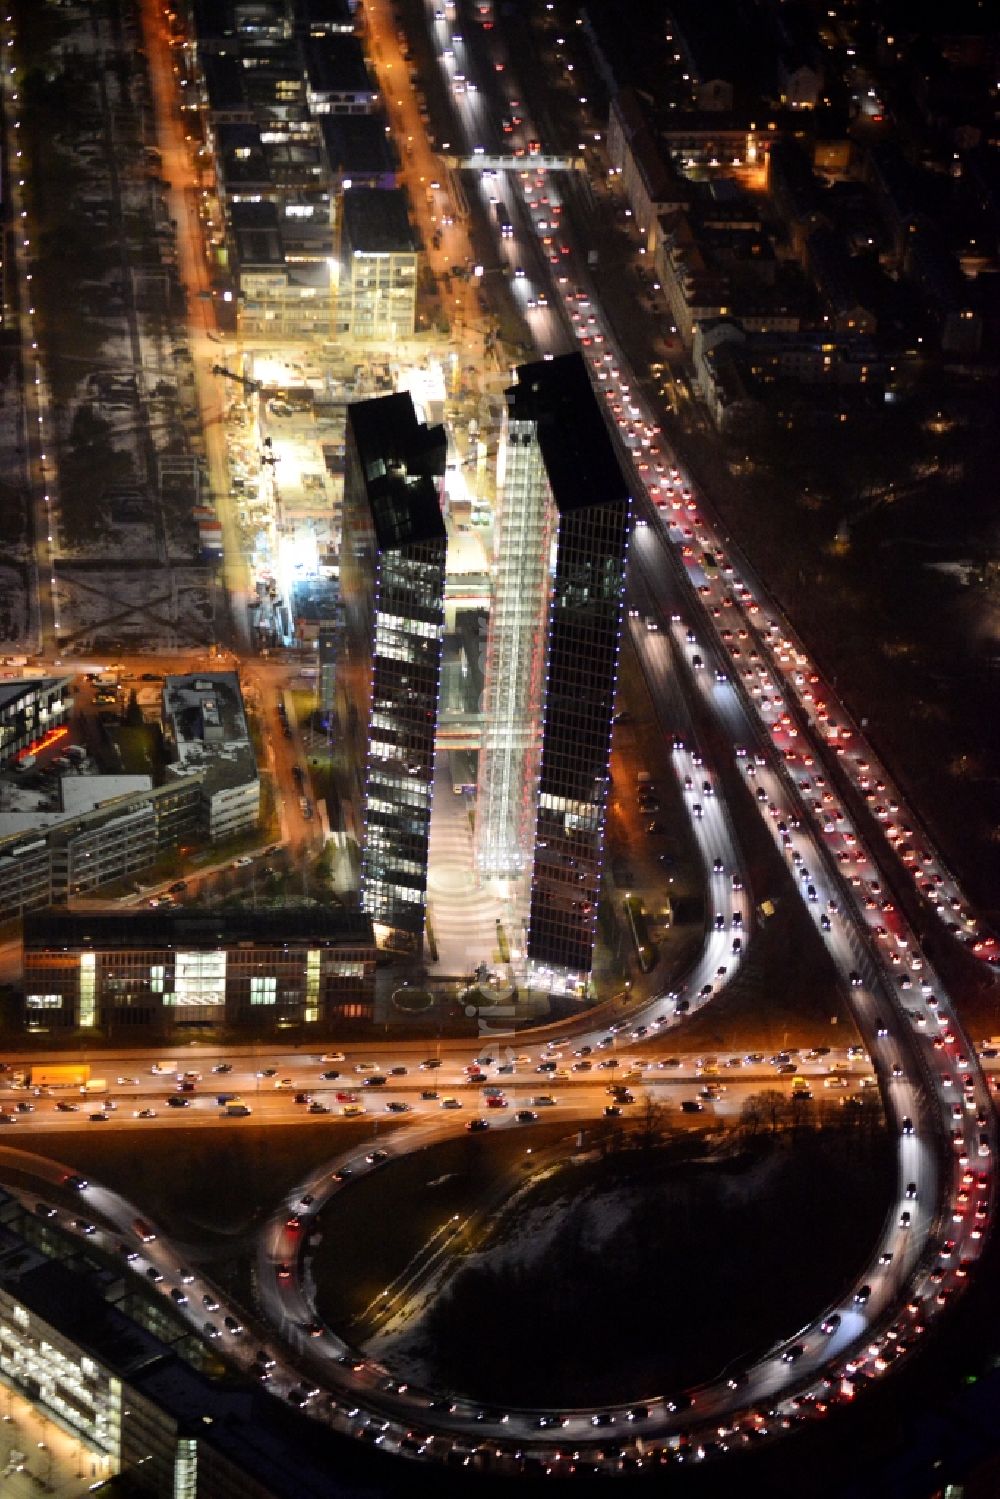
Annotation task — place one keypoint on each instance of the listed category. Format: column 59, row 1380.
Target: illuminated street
column 497, row 556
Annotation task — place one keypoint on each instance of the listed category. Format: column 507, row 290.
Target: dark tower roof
column 580, row 460
column 403, row 462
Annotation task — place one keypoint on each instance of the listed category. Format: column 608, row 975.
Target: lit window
column 88, row 978
column 263, row 990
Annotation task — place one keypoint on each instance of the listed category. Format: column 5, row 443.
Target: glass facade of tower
column 393, row 561
column 584, row 628
column 408, row 628
column 515, row 660
column 552, row 656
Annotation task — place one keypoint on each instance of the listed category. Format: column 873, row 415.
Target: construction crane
column 252, row 387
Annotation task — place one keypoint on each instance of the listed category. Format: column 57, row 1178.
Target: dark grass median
column 204, row 1186
column 374, row 1228
column 705, row 1263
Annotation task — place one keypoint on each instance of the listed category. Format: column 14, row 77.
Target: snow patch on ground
column 529, row 1236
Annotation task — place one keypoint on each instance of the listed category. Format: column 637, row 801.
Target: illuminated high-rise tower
column 552, row 656
column 392, row 575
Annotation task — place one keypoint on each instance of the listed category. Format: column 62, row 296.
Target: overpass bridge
column 483, row 163
column 459, row 731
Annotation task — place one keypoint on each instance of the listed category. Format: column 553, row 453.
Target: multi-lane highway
column 701, row 622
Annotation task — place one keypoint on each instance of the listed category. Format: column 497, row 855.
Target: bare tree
column 775, row 1108
column 752, row 1116
column 651, row 1124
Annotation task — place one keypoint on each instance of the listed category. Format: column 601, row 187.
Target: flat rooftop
column 580, row 459
column 205, row 721
column 376, row 222
column 358, row 143
column 23, row 687
column 28, row 809
column 319, row 926
column 335, row 64
column 403, row 462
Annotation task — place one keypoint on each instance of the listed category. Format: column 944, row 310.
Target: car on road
column 525, row 1116
column 477, row 1124
column 543, row 1100
column 396, row 1107
column 178, row 1101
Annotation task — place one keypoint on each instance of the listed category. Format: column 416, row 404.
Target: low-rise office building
column 282, row 296
column 337, row 76
column 97, row 1351
column 84, row 831
column 377, row 295
column 258, row 970
column 359, row 152
column 205, row 727
column 31, row 711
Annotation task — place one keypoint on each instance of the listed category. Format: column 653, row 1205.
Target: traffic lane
column 261, row 1077
column 584, row 1098
column 912, row 1106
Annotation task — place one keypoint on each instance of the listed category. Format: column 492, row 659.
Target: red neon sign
column 50, row 737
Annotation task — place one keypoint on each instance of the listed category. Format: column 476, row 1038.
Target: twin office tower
column 561, row 541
